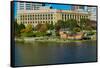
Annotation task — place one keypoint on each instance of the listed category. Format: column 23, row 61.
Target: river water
column 39, row 53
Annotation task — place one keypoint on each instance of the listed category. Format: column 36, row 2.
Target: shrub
column 27, row 34
column 38, row 34
column 77, row 29
column 90, row 33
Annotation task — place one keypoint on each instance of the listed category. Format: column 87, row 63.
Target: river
column 39, row 53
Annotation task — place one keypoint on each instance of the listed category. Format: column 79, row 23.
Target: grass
column 56, row 40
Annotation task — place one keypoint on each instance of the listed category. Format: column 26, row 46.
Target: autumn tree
column 44, row 28
column 38, row 26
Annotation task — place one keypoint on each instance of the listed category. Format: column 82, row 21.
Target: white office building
column 28, row 6
column 88, row 9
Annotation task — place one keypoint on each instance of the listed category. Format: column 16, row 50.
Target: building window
column 21, row 8
column 30, row 18
column 35, row 15
column 35, row 18
column 43, row 21
column 48, row 14
column 49, row 22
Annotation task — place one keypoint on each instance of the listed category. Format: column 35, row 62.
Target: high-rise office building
column 28, row 6
column 79, row 8
column 92, row 11
column 88, row 9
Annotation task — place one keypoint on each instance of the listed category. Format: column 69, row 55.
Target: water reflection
column 50, row 53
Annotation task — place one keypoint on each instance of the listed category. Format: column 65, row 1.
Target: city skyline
column 55, row 6
column 79, row 8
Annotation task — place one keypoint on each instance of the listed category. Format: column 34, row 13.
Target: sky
column 60, row 6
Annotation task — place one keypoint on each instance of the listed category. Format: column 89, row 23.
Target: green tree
column 86, row 24
column 18, row 28
column 50, row 26
column 21, row 26
column 33, row 28
column 71, row 24
column 76, row 29
column 82, row 24
column 29, row 28
column 28, row 31
column 17, row 31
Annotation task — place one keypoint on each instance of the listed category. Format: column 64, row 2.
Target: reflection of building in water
column 48, row 16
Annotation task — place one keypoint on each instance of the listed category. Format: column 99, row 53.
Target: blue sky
column 15, row 8
column 60, row 6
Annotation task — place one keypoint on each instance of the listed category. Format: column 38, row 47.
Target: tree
column 93, row 24
column 57, row 26
column 17, row 31
column 18, row 28
column 82, row 24
column 43, row 28
column 28, row 31
column 50, row 26
column 29, row 26
column 38, row 26
column 71, row 24
column 86, row 24
column 76, row 29
column 21, row 26
column 33, row 28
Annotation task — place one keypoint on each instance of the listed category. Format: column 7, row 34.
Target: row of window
column 44, row 18
column 36, row 22
column 64, row 17
column 69, row 15
column 36, row 15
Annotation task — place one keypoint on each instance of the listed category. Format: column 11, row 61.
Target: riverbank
column 41, row 39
